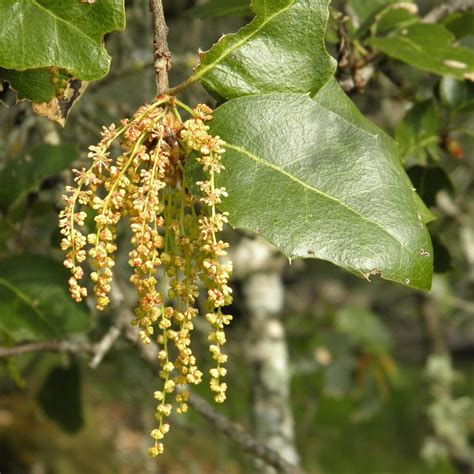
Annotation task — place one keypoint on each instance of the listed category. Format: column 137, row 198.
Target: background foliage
column 357, row 350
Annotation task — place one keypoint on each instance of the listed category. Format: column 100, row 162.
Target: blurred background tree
column 335, row 374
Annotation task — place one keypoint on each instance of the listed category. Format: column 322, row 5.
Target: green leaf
column 61, row 399
column 430, row 48
column 33, row 84
column 460, row 24
column 364, row 9
column 214, row 8
column 34, row 300
column 282, row 49
column 25, row 173
column 318, row 182
column 334, row 99
column 66, row 35
column 364, row 328
column 418, row 133
column 29, row 29
column 394, row 16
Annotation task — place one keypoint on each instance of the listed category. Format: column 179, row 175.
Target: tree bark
column 161, row 53
column 268, row 350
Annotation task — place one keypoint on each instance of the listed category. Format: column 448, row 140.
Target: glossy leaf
column 25, row 173
column 214, row 8
column 61, row 399
column 334, row 99
column 34, row 300
column 394, row 16
column 66, row 35
column 364, row 9
column 428, row 47
column 30, row 27
column 282, row 49
column 316, row 181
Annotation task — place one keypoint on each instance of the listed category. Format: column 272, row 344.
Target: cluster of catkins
column 173, row 235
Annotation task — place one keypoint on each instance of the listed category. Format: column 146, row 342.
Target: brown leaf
column 58, row 108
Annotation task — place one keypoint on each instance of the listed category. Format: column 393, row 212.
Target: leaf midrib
column 200, row 72
column 316, row 190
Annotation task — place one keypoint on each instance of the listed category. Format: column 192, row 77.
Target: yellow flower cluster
column 173, row 236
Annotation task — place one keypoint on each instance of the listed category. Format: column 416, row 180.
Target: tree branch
column 243, row 439
column 62, row 346
column 161, row 53
column 104, row 345
column 235, row 433
column 149, row 353
column 240, row 437
column 442, row 11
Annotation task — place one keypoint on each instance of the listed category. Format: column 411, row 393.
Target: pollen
column 175, row 247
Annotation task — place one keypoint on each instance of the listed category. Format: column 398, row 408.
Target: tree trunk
column 268, row 350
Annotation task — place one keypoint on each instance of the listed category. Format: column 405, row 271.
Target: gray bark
column 268, row 351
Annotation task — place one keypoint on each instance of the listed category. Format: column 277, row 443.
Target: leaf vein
column 202, row 71
column 317, row 191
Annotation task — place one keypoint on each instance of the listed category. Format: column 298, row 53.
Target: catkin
column 174, row 227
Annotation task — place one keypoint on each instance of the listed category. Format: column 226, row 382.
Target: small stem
column 105, row 206
column 46, row 346
column 161, row 53
column 189, row 110
column 180, row 87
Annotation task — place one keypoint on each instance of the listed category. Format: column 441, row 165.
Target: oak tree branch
column 149, row 353
column 63, row 346
column 441, row 11
column 161, row 53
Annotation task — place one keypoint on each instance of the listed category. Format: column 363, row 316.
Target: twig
column 442, row 11
column 239, row 436
column 149, row 353
column 63, row 346
column 242, row 438
column 180, row 87
column 104, row 345
column 161, row 53
column 123, row 316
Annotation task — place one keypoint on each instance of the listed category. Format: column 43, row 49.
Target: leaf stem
column 181, row 86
